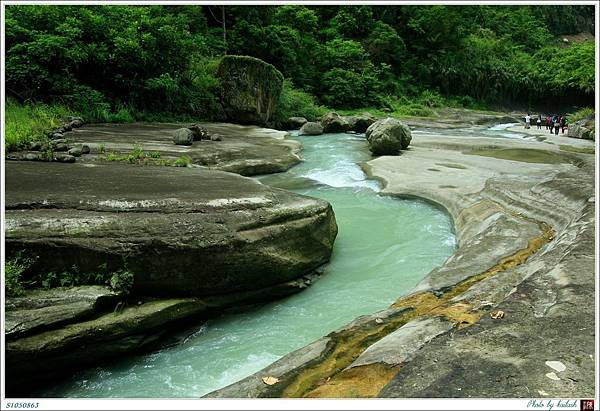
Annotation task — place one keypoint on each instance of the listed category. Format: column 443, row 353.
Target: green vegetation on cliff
column 125, row 63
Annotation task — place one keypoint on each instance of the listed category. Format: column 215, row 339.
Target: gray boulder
column 31, row 157
column 200, row 133
column 250, row 89
column 294, row 123
column 75, row 152
column 56, row 136
column 183, row 137
column 61, row 147
column 334, row 123
column 388, row 136
column 311, row 129
column 36, row 146
column 64, row 158
column 583, row 129
column 76, row 123
column 360, row 123
column 85, row 149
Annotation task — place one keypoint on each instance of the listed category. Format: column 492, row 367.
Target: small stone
column 75, row 152
column 542, row 392
column 553, row 376
column 65, row 158
column 58, row 141
column 56, row 136
column 31, row 157
column 592, row 200
column 76, row 123
column 378, row 320
column 35, row 146
column 556, row 365
column 497, row 315
column 85, row 149
column 61, row 147
column 215, row 138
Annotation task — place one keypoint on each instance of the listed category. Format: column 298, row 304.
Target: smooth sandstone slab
column 181, row 232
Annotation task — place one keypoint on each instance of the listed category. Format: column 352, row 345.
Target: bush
column 297, row 103
column 182, row 161
column 584, row 113
column 30, row 122
column 13, row 270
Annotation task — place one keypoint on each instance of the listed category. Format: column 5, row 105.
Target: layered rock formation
column 510, row 314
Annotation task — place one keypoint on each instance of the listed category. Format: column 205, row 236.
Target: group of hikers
column 553, row 123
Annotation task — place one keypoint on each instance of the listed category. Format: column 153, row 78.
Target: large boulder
column 583, row 129
column 295, row 123
column 359, row 123
column 183, row 137
column 180, row 232
column 334, row 123
column 311, row 129
column 388, row 136
column 250, row 89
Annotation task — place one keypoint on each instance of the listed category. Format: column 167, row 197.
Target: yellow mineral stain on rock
column 358, row 382
column 329, row 377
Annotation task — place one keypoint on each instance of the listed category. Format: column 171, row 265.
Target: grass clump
column 25, row 123
column 183, row 161
column 584, row 113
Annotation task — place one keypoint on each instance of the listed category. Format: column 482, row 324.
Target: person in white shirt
column 527, row 120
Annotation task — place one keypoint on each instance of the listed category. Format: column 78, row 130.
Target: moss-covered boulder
column 250, row 89
column 388, row 136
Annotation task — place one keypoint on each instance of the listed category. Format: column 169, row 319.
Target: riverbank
column 524, row 217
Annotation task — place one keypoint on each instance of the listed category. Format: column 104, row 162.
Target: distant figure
column 556, row 124
column 563, row 123
column 527, row 121
column 548, row 123
column 552, row 121
column 539, row 122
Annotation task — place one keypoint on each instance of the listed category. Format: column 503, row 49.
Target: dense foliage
column 141, row 61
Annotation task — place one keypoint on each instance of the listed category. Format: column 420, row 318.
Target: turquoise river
column 385, row 246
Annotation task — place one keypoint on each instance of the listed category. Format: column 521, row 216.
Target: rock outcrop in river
column 181, row 232
column 388, row 136
column 250, row 89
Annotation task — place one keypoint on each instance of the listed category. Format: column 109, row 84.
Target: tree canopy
column 163, row 58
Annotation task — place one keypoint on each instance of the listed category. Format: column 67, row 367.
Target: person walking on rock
column 527, row 121
column 563, row 124
column 539, row 122
column 556, row 124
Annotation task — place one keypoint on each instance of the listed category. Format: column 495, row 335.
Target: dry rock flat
column 245, row 150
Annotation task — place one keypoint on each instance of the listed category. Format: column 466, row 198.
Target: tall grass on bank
column 25, row 123
column 585, row 112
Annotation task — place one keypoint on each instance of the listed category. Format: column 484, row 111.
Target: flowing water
column 384, row 247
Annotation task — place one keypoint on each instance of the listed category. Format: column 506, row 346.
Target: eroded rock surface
column 181, row 232
column 246, row 150
column 526, row 248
